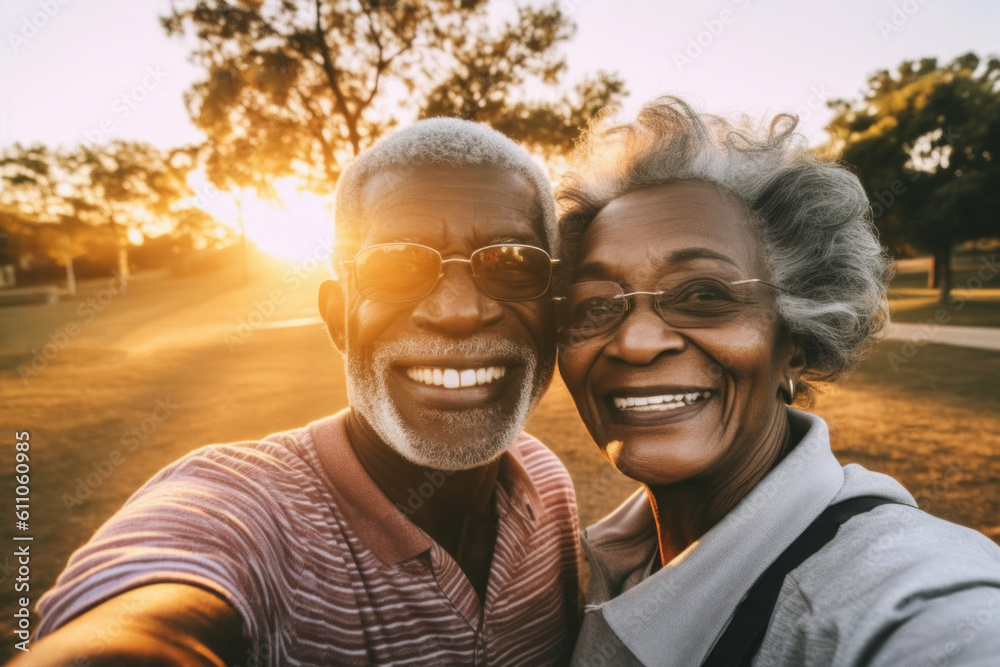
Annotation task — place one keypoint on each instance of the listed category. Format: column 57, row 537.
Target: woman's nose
column 643, row 336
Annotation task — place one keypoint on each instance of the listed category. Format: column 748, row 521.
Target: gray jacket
column 896, row 586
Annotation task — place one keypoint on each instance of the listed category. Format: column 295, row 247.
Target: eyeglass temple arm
column 553, row 262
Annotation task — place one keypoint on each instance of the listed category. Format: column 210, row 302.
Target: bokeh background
column 166, row 172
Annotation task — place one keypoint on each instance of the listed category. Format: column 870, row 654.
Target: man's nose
column 456, row 307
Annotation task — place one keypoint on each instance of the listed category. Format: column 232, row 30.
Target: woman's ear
column 331, row 308
column 797, row 360
column 795, row 365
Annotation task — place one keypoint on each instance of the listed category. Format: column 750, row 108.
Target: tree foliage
column 62, row 203
column 36, row 218
column 300, row 87
column 926, row 143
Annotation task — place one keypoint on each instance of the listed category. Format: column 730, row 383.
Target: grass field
column 221, row 355
column 975, row 301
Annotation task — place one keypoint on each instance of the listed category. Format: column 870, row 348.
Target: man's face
column 403, row 358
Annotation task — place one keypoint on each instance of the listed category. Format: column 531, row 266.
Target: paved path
column 983, row 338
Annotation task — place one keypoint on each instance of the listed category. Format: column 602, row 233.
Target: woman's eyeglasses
column 401, row 272
column 597, row 308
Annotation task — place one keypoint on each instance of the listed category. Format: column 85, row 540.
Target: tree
column 33, row 210
column 57, row 200
column 299, row 87
column 130, row 186
column 926, row 143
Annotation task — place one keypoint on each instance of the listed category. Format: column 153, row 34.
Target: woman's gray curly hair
column 812, row 216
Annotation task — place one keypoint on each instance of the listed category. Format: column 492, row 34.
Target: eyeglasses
column 401, row 272
column 597, row 308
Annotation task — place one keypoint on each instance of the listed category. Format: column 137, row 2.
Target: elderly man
column 421, row 524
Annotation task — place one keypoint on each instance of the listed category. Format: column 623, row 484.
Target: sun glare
column 296, row 226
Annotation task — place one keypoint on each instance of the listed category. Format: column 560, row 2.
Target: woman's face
column 668, row 403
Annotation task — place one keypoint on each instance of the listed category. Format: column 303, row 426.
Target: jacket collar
column 675, row 616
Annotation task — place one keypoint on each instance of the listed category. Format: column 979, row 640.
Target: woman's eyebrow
column 596, row 267
column 691, row 254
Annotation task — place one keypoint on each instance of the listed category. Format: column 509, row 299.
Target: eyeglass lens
column 597, row 308
column 400, row 272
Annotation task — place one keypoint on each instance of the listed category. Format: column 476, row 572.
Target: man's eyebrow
column 508, row 239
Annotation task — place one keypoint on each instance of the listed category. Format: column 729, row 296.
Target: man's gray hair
column 440, row 141
column 812, row 216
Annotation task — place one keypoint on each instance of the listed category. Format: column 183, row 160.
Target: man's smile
column 455, row 378
column 459, row 383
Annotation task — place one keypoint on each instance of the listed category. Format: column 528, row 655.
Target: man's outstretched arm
column 156, row 625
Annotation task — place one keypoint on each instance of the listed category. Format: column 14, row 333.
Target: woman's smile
column 676, row 401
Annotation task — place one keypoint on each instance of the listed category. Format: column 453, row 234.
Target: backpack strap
column 742, row 638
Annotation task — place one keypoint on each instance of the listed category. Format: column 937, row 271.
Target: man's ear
column 331, row 308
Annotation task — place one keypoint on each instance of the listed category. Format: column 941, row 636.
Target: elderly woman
column 716, row 273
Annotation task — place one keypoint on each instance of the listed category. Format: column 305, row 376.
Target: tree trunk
column 123, row 271
column 942, row 267
column 70, row 277
column 121, row 239
column 243, row 235
column 934, row 273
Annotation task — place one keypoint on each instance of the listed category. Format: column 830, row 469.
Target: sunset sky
column 770, row 55
column 63, row 75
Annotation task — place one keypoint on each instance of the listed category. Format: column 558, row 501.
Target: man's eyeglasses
column 597, row 308
column 401, row 272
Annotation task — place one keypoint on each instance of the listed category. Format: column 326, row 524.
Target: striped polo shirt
column 325, row 570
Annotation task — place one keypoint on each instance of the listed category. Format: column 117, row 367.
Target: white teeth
column 660, row 402
column 454, row 378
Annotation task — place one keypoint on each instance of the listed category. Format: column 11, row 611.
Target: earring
column 791, row 391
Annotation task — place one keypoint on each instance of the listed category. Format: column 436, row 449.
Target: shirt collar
column 372, row 517
column 516, row 481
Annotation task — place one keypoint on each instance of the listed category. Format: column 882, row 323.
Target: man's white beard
column 487, row 432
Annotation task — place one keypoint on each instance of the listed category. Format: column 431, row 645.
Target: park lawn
column 975, row 301
column 966, row 310
column 932, row 422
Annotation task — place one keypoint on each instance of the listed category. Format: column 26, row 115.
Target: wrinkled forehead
column 670, row 227
column 483, row 196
